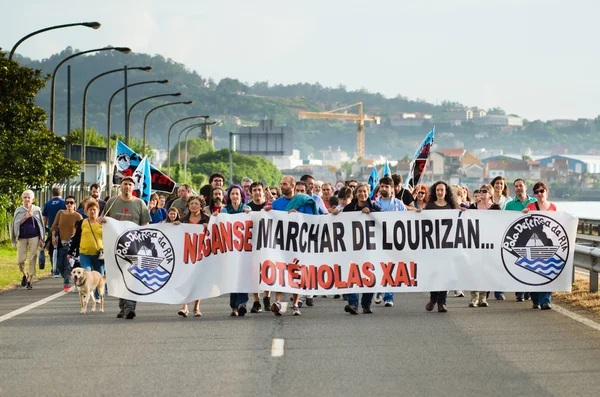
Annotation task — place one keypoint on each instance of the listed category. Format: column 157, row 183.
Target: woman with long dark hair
column 439, row 199
column 500, row 195
column 540, row 190
column 235, row 205
column 363, row 204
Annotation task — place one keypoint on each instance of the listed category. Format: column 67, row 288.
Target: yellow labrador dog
column 86, row 283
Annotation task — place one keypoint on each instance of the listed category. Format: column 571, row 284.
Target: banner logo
column 123, row 161
column 146, row 260
column 535, row 249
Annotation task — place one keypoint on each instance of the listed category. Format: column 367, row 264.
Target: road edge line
column 33, row 305
column 579, row 318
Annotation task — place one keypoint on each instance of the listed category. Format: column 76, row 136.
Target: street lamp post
column 186, row 149
column 179, row 140
column 169, row 139
column 93, row 25
column 152, row 110
column 176, row 94
column 108, row 118
column 124, row 50
column 83, row 117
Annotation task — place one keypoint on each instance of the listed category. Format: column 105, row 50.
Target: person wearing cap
column 126, row 207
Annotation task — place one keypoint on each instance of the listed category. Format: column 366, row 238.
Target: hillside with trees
column 231, row 101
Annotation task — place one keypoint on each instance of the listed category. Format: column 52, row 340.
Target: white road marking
column 24, row 309
column 576, row 317
column 277, row 347
column 284, row 307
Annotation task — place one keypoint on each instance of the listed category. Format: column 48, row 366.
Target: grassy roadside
column 10, row 276
column 580, row 296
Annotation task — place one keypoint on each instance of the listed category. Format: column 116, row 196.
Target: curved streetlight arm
column 186, row 149
column 83, row 114
column 156, row 108
column 145, row 99
column 124, row 50
column 179, row 140
column 169, row 139
column 93, row 25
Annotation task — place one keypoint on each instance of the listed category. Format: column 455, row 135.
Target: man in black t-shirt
column 402, row 193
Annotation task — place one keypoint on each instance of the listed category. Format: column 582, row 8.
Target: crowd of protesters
column 73, row 235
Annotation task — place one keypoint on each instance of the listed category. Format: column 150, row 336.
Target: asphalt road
column 505, row 350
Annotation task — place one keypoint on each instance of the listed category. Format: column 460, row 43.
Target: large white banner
column 349, row 252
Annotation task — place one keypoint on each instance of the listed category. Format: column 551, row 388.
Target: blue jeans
column 388, row 297
column 365, row 302
column 62, row 264
column 539, row 298
column 438, row 296
column 91, row 262
column 237, row 299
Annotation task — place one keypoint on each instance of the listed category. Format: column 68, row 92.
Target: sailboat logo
column 146, row 260
column 535, row 249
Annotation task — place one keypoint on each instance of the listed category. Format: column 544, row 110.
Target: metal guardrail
column 587, row 249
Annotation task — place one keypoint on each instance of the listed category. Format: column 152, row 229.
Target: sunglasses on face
column 70, row 202
column 539, row 191
column 352, row 186
column 484, row 191
column 420, row 192
column 273, row 193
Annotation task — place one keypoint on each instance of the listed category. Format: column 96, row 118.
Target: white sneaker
column 296, row 311
column 389, row 304
column 378, row 298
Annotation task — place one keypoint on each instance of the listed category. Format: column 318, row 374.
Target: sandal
column 197, row 313
column 183, row 312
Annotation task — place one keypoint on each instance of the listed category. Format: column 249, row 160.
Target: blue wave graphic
column 152, row 278
column 145, row 272
column 549, row 268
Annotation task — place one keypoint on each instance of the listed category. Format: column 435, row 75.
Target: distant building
column 561, row 123
column 509, row 169
column 499, row 120
column 578, row 164
column 435, row 167
column 409, row 119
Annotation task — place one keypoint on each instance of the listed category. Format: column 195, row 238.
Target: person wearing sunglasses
column 420, row 196
column 541, row 300
column 63, row 228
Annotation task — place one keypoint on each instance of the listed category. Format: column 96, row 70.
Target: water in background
column 580, row 209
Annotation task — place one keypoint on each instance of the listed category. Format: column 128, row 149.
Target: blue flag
column 373, row 181
column 143, row 180
column 101, row 180
column 386, row 169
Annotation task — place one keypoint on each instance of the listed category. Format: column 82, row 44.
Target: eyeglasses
column 484, row 191
column 539, row 191
column 70, row 202
column 246, row 186
column 420, row 192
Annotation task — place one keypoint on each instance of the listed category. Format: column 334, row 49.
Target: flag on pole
column 127, row 161
column 101, row 180
column 386, row 169
column 419, row 161
column 143, row 180
column 373, row 181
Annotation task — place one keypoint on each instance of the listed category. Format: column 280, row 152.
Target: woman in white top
column 500, row 195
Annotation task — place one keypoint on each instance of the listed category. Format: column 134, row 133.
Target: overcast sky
column 538, row 59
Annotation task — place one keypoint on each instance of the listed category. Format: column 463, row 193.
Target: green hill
column 230, row 100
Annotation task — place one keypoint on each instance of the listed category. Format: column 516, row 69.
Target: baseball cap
column 127, row 178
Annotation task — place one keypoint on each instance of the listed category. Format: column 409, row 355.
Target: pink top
column 533, row 207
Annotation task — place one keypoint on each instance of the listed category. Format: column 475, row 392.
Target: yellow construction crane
column 360, row 117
